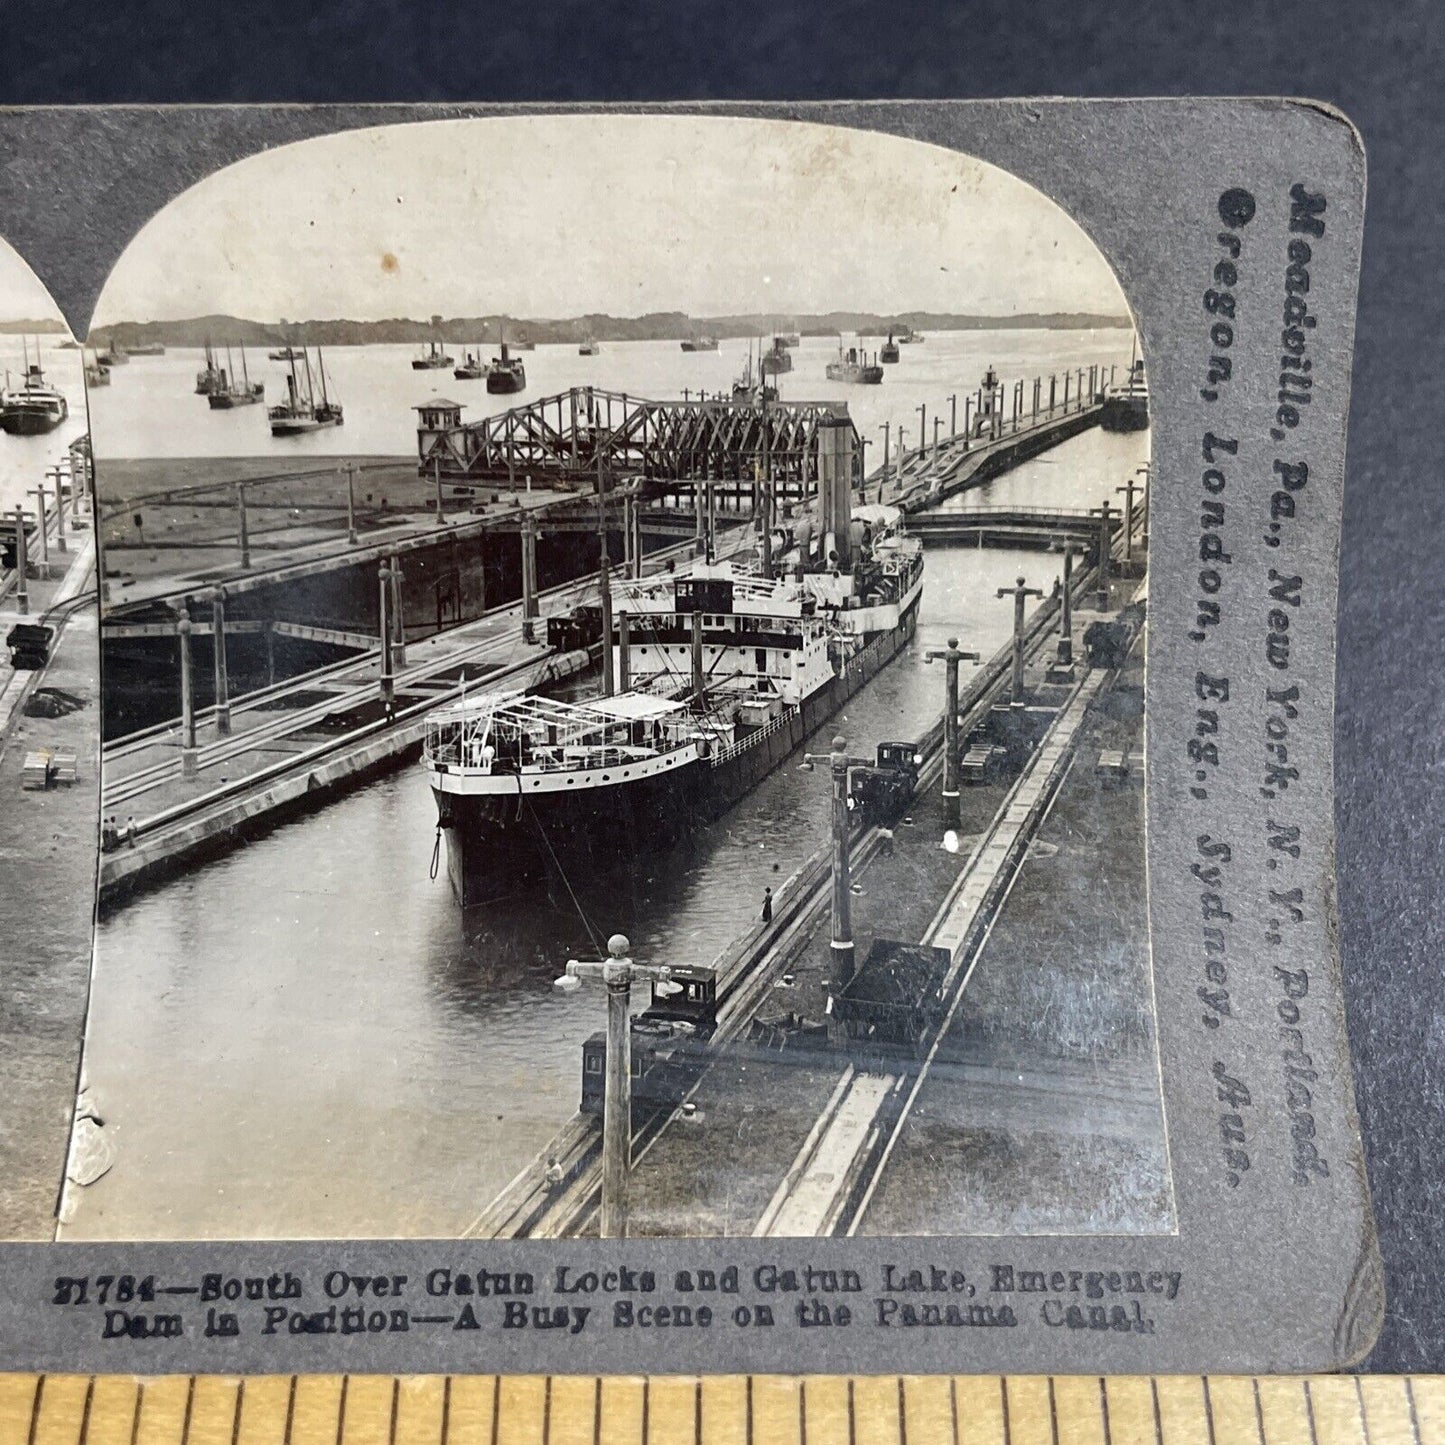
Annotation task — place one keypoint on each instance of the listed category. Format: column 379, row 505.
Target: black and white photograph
column 623, row 647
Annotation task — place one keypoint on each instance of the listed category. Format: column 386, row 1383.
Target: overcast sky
column 554, row 216
column 22, row 296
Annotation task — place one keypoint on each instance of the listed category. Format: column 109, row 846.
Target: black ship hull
column 505, row 383
column 29, row 423
column 225, row 400
column 494, row 840
column 1124, row 413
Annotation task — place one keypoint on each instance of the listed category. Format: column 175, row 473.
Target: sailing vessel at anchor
column 301, row 411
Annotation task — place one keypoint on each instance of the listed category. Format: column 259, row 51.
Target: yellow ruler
column 721, row 1410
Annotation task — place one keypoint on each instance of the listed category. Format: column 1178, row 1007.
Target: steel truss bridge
column 568, row 440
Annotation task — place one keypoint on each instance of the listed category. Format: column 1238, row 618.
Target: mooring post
column 242, row 532
column 218, row 660
column 188, row 701
column 1020, row 592
column 388, row 686
column 58, row 474
column 398, row 622
column 22, row 563
column 951, row 656
column 1066, row 608
column 351, row 505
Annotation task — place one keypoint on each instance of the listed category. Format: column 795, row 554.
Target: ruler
column 721, row 1410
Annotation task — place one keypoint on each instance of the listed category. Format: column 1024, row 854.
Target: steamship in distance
column 854, row 366
column 1126, row 407
column 301, row 411
column 433, row 358
column 723, row 673
column 34, row 407
column 699, row 343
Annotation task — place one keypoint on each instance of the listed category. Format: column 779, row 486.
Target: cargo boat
column 432, row 358
column 506, row 374
column 301, row 412
column 777, row 358
column 724, row 674
column 854, row 366
column 1126, row 407
column 226, row 392
column 699, row 343
column 34, row 407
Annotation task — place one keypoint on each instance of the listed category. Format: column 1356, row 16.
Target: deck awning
column 633, row 707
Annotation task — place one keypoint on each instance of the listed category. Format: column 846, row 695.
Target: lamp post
column 188, row 700
column 22, row 591
column 41, row 524
column 351, row 506
column 839, row 764
column 953, row 414
column 922, row 410
column 883, row 475
column 1128, row 489
column 617, row 973
column 1147, row 474
column 937, row 423
column 1020, row 591
column 1105, row 547
column 57, row 475
column 388, row 687
column 952, row 655
column 218, row 662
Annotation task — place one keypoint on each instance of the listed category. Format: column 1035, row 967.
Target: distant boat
column 95, row 373
column 473, row 368
column 1126, row 407
column 70, row 346
column 589, row 347
column 750, row 386
column 231, row 393
column 790, row 338
column 433, row 358
column 908, row 336
column 777, row 359
column 854, row 366
column 301, row 412
column 34, row 407
column 699, row 343
column 889, row 354
column 522, row 344
column 286, row 353
column 210, row 377
column 115, row 356
column 148, row 348
column 506, row 374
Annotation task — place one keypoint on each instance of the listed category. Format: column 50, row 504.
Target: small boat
column 210, row 377
column 777, row 359
column 1126, row 407
column 95, row 373
column 790, row 339
column 854, row 366
column 521, row 344
column 699, row 343
column 34, row 407
column 432, row 358
column 908, row 336
column 506, row 374
column 286, row 353
column 473, row 368
column 749, row 386
column 589, row 347
column 301, row 412
column 116, row 355
column 148, row 348
column 889, row 354
column 230, row 393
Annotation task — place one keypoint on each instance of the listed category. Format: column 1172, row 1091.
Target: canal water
column 307, row 1038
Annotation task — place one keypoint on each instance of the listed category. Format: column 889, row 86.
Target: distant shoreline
column 658, row 326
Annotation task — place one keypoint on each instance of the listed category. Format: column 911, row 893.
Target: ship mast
column 604, row 580
column 321, row 366
column 245, row 373
column 310, row 385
